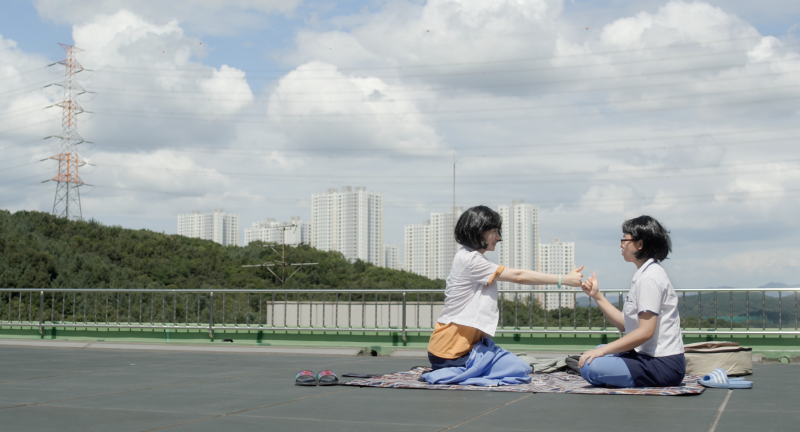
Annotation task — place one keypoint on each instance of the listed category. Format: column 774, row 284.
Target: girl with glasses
column 651, row 352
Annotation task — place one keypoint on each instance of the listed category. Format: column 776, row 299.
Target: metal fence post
column 211, row 317
column 41, row 313
column 405, row 338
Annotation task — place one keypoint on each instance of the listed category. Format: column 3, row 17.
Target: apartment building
column 557, row 257
column 520, row 245
column 429, row 247
column 292, row 232
column 217, row 226
column 349, row 221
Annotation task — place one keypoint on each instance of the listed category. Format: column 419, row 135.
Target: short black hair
column 473, row 223
column 655, row 239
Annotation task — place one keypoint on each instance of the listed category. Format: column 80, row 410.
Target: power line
column 173, row 117
column 22, row 143
column 347, row 153
column 732, row 197
column 24, row 197
column 206, row 72
column 205, row 97
column 504, row 84
column 426, row 152
column 449, row 150
column 684, row 172
column 26, row 126
column 21, row 112
column 26, row 72
column 24, row 90
column 513, row 60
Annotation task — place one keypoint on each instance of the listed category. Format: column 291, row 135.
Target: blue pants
column 439, row 363
column 609, row 370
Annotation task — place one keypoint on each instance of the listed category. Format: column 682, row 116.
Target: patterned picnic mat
column 558, row 382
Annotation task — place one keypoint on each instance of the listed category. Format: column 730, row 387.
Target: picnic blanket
column 558, row 382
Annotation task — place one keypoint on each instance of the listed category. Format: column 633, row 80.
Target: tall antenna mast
column 454, row 201
column 67, row 202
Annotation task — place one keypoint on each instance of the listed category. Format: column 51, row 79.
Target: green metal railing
column 751, row 311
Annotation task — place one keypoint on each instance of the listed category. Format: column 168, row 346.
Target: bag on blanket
column 552, row 365
column 572, row 365
column 704, row 357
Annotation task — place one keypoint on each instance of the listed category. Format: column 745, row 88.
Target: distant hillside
column 779, row 285
column 38, row 250
column 774, row 308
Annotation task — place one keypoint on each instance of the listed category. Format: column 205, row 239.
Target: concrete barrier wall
column 368, row 315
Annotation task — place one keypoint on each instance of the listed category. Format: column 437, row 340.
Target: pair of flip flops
column 323, row 378
column 719, row 379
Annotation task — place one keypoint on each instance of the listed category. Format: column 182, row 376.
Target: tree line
column 38, row 250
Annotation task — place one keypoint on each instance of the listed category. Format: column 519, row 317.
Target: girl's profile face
column 491, row 237
column 630, row 247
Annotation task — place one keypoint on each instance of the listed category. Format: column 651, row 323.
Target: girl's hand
column 588, row 356
column 573, row 278
column 590, row 286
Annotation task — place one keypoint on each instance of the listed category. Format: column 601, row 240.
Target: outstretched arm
column 530, row 277
column 592, row 288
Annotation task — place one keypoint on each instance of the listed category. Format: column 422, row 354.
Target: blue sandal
column 719, row 379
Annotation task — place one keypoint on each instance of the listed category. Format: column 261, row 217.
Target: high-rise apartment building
column 520, row 246
column 416, row 245
column 391, row 257
column 430, row 247
column 349, row 221
column 557, row 257
column 293, row 232
column 218, row 227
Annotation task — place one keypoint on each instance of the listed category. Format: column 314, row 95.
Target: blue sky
column 595, row 111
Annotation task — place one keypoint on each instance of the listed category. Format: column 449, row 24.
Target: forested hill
column 38, row 250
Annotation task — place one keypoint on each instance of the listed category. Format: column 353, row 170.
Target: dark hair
column 655, row 239
column 473, row 223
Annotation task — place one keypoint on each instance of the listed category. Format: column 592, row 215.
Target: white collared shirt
column 471, row 293
column 651, row 291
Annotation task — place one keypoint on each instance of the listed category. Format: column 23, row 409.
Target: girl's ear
column 639, row 245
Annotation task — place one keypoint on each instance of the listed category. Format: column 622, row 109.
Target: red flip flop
column 305, row 378
column 327, row 378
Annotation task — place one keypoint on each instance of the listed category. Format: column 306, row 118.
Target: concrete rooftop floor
column 72, row 388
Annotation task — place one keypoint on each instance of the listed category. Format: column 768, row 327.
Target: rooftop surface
column 91, row 387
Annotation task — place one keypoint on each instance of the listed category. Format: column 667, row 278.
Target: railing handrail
column 360, row 291
column 197, row 309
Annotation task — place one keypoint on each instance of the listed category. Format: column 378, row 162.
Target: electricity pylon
column 67, row 202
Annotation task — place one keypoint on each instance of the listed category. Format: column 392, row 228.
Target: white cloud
column 142, row 71
column 768, row 265
column 757, row 194
column 676, row 22
column 319, row 106
column 608, row 198
column 22, row 99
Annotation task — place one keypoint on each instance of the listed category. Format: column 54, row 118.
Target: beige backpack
column 704, row 357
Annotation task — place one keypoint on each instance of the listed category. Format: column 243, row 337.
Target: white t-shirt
column 471, row 293
column 651, row 291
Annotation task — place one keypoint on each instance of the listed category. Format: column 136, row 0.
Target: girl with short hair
column 470, row 306
column 651, row 352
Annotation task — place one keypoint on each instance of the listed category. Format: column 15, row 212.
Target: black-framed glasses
column 624, row 240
